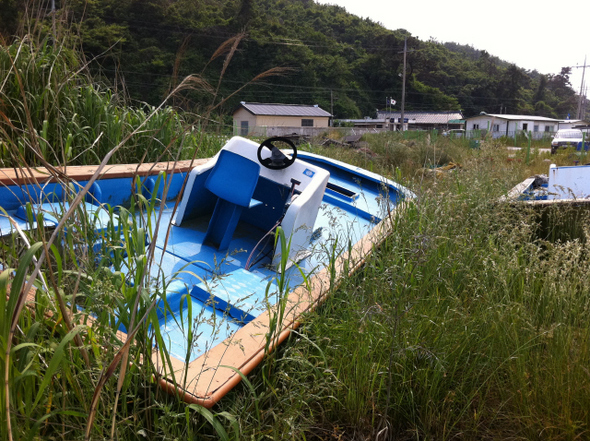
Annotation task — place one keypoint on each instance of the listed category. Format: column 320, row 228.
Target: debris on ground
column 367, row 152
column 442, row 170
column 347, row 141
column 352, row 140
column 330, row 141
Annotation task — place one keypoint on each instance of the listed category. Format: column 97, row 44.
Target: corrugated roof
column 510, row 117
column 284, row 109
column 364, row 120
column 424, row 117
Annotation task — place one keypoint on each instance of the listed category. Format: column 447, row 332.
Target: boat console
column 258, row 185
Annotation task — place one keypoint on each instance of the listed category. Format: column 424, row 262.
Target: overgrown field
column 470, row 322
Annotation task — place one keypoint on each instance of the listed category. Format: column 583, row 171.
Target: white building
column 511, row 125
column 573, row 124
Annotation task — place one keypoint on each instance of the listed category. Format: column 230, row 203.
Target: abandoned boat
column 560, row 202
column 242, row 244
column 563, row 184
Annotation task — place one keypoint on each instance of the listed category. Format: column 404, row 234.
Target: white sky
column 545, row 36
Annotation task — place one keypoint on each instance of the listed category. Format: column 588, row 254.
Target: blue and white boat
column 224, row 278
column 563, row 184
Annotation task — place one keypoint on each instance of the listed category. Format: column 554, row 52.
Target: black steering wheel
column 278, row 160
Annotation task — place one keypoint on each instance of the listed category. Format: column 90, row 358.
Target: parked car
column 568, row 138
column 454, row 133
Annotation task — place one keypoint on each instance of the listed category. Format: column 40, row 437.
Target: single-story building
column 510, row 125
column 573, row 124
column 423, row 120
column 265, row 119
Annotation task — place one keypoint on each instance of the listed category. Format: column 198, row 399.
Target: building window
column 549, row 128
column 496, row 127
column 536, row 128
column 525, row 126
column 475, row 126
column 307, row 123
column 243, row 128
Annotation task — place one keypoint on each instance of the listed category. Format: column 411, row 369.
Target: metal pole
column 53, row 19
column 387, row 113
column 404, row 83
column 528, row 150
column 332, row 103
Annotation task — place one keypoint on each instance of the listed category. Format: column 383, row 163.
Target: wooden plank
column 13, row 176
column 549, row 202
column 518, row 190
column 84, row 319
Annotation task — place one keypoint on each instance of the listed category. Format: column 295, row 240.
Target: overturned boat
column 242, row 245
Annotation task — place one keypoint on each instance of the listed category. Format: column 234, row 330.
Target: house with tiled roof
column 265, row 119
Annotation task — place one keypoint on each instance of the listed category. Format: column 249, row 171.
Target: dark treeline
column 328, row 57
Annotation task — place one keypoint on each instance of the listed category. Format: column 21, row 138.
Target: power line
column 300, row 88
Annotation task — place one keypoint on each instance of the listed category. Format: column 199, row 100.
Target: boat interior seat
column 50, row 201
column 233, row 180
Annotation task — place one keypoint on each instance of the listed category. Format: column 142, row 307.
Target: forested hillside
column 320, row 55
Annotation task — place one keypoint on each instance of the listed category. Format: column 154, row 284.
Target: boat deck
column 223, row 295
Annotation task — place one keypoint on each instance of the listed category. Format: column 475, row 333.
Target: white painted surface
column 509, row 125
column 569, row 182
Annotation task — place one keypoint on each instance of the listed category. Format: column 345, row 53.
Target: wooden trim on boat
column 21, row 176
column 85, row 319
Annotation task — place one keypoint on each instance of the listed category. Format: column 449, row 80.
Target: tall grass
column 59, row 352
column 468, row 323
column 52, row 112
column 59, row 344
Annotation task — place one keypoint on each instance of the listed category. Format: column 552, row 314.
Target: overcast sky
column 545, row 36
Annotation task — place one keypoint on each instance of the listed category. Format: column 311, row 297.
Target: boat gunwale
column 24, row 176
column 360, row 172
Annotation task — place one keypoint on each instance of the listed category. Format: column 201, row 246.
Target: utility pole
column 582, row 95
column 585, row 103
column 404, row 83
column 582, row 91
